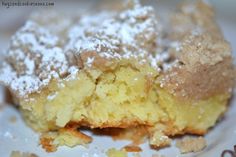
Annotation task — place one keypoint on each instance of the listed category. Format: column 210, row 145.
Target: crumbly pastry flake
column 191, row 144
column 116, row 153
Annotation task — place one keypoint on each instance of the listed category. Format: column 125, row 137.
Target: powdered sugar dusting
column 90, row 61
column 51, row 97
column 33, row 60
column 37, row 55
column 129, row 33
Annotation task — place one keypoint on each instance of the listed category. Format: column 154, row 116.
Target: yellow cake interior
column 125, row 97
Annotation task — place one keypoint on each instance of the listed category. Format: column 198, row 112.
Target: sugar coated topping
column 58, row 47
column 37, row 55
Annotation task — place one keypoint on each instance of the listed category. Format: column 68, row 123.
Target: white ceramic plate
column 18, row 137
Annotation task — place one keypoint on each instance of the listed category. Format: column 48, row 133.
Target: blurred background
column 14, row 17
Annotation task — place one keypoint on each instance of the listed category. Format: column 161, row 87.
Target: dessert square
column 124, row 69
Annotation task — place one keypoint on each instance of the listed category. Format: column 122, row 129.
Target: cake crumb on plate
column 116, row 153
column 191, row 144
column 132, row 148
column 22, row 154
column 12, row 119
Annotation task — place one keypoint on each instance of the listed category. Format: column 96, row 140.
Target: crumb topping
column 33, row 60
column 204, row 60
column 130, row 33
column 37, row 55
column 58, row 46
